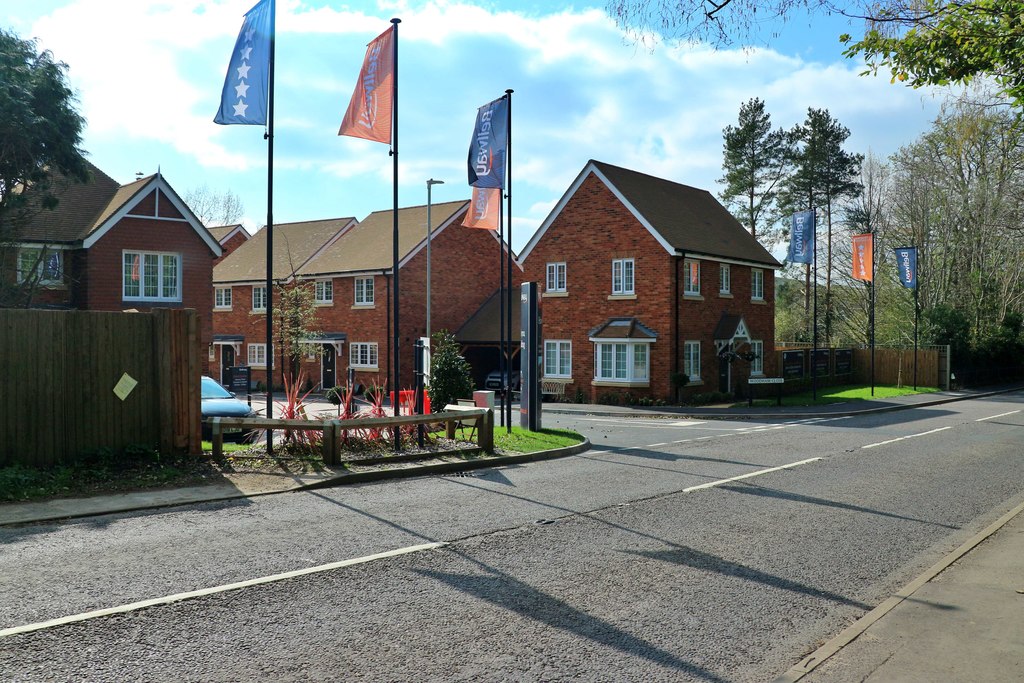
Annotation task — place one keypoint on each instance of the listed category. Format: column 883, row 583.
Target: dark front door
column 327, row 365
column 227, row 360
column 723, row 373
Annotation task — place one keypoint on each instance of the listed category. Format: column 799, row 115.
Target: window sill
column 694, row 383
column 725, row 295
column 554, row 295
column 692, row 297
column 557, row 378
column 222, row 309
column 140, row 300
column 622, row 297
column 323, row 303
column 759, row 302
column 258, row 311
column 364, row 368
column 363, row 307
column 618, row 383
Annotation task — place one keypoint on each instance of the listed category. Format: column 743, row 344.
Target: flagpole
column 394, row 247
column 270, row 233
column 872, row 312
column 917, row 312
column 502, row 367
column 814, row 331
column 511, row 338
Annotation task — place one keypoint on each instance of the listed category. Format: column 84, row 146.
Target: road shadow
column 764, row 492
column 691, row 557
column 503, row 591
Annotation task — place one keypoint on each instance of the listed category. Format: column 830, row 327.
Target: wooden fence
column 892, row 365
column 59, row 371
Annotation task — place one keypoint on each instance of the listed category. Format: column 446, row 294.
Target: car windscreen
column 213, row 390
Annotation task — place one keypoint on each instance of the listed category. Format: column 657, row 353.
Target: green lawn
column 837, row 394
column 524, row 441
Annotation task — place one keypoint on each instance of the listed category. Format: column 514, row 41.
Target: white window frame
column 323, row 292
column 757, row 364
column 256, row 356
column 756, row 284
column 623, row 277
column 161, row 272
column 623, row 356
column 262, row 289
column 556, row 277
column 691, row 360
column 558, row 356
column 363, row 355
column 40, row 269
column 689, row 289
column 724, row 279
column 364, row 291
column 222, row 298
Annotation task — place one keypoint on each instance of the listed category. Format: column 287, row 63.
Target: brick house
column 113, row 247
column 239, row 291
column 644, row 280
column 230, row 237
column 354, row 275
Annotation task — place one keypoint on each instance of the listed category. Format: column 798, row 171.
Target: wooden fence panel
column 896, row 366
column 58, row 370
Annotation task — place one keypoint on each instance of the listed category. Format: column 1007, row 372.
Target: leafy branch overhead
column 920, row 42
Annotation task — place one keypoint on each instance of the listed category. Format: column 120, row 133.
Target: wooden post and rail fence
column 452, row 417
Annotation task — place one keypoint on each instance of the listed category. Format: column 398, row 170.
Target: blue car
column 219, row 402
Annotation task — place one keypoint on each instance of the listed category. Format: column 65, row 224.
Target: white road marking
column 992, row 417
column 911, row 436
column 178, row 597
column 758, row 473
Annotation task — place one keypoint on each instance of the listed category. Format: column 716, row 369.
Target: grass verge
column 838, row 394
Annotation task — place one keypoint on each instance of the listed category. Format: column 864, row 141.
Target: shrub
column 450, row 376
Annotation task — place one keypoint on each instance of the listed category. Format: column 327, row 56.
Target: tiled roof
column 294, row 244
column 688, row 218
column 622, row 328
column 221, row 231
column 81, row 208
column 484, row 326
column 368, row 245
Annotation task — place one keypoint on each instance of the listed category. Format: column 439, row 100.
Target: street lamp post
column 430, row 183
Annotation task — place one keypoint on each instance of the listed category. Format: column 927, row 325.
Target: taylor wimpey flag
column 244, row 99
column 862, row 257
column 906, row 263
column 487, row 147
column 484, row 208
column 369, row 111
column 801, row 238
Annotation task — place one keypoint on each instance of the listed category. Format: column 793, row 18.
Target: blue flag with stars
column 244, row 100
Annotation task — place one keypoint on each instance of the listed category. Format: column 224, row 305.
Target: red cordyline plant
column 345, row 412
column 294, row 408
column 376, row 395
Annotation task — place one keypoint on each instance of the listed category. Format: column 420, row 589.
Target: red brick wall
column 463, row 275
column 101, row 278
column 233, row 243
column 593, row 229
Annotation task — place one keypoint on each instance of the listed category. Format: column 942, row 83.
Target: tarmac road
column 634, row 561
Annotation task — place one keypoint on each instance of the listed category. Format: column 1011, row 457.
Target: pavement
column 959, row 621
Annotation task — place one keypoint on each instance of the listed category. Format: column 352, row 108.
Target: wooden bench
column 332, row 429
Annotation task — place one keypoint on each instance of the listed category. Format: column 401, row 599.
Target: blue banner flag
column 487, row 147
column 801, row 238
column 906, row 263
column 244, row 99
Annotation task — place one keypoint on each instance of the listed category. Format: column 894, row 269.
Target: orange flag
column 484, row 208
column 862, row 265
column 369, row 112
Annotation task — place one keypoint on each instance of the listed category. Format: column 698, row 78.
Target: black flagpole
column 872, row 312
column 511, row 336
column 917, row 313
column 502, row 366
column 269, row 355
column 394, row 250
column 814, row 331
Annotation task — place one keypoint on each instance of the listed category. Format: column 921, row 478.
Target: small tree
column 450, row 377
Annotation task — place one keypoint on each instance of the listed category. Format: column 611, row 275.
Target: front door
column 227, row 360
column 327, row 378
column 723, row 371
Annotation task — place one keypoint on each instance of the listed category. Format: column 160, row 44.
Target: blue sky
column 149, row 74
